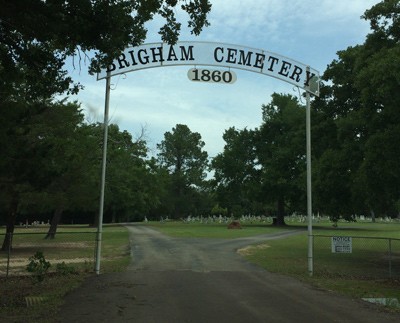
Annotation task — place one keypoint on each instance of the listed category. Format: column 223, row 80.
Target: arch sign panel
column 215, row 54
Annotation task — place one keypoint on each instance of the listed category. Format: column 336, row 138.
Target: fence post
column 9, row 254
column 313, row 250
column 390, row 258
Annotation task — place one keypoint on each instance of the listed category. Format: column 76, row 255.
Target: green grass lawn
column 289, row 257
column 213, row 230
column 360, row 229
column 115, row 249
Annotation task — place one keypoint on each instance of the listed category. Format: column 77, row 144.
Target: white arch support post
column 103, row 174
column 309, row 191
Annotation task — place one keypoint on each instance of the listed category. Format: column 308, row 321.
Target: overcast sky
column 308, row 31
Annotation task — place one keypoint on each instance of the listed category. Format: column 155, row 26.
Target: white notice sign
column 341, row 245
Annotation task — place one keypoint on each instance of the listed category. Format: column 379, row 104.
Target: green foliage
column 131, row 189
column 281, row 153
column 237, row 211
column 181, row 154
column 357, row 167
column 236, row 178
column 38, row 266
column 63, row 269
column 38, row 36
column 217, row 210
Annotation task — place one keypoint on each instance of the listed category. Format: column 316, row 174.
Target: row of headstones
column 207, row 219
column 26, row 224
column 252, row 218
column 382, row 219
column 318, row 218
column 225, row 219
column 200, row 219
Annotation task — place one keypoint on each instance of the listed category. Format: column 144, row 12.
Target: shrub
column 38, row 266
column 217, row 210
column 63, row 269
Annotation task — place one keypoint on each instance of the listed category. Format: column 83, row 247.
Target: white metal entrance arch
column 215, row 54
column 212, row 54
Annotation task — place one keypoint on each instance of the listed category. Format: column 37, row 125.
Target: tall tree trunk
column 372, row 215
column 177, row 200
column 280, row 220
column 96, row 219
column 54, row 223
column 12, row 215
column 114, row 216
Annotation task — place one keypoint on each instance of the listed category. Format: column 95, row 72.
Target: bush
column 38, row 266
column 217, row 210
column 63, row 269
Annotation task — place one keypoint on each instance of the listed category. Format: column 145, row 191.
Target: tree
column 35, row 154
column 181, row 153
column 131, row 187
column 37, row 36
column 377, row 70
column 217, row 210
column 336, row 154
column 363, row 97
column 75, row 166
column 163, row 183
column 235, row 176
column 281, row 150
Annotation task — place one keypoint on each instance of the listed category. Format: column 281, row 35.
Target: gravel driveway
column 206, row 280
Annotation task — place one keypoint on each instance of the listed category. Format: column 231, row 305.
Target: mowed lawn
column 213, row 230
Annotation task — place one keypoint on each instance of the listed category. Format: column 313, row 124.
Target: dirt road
column 206, row 280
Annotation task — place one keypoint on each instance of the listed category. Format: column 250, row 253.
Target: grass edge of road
column 288, row 257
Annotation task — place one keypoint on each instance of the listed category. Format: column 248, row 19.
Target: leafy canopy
column 37, row 36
